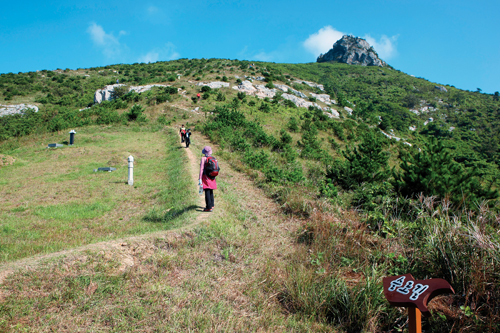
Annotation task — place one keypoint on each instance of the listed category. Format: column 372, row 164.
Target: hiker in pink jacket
column 209, row 184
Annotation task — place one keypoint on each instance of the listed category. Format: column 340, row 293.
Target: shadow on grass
column 163, row 217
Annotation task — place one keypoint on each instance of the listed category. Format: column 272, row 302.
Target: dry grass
column 210, row 279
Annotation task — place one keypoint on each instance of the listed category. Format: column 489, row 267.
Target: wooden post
column 404, row 290
column 415, row 323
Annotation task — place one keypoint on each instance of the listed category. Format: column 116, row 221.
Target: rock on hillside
column 6, row 110
column 106, row 93
column 353, row 51
column 214, row 85
column 297, row 98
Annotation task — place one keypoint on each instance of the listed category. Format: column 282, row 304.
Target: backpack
column 211, row 168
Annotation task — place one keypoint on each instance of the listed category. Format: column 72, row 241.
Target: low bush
column 136, row 113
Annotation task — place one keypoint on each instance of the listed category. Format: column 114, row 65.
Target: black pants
column 188, row 141
column 183, row 137
column 209, row 198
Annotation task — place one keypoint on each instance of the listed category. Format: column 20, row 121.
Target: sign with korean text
column 405, row 291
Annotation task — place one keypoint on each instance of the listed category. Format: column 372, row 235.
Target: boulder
column 263, row 92
column 246, row 87
column 325, row 98
column 441, row 88
column 331, row 113
column 348, row 110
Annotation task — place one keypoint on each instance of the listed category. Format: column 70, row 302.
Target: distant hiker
column 209, row 169
column 117, row 81
column 182, row 133
column 198, row 95
column 188, row 137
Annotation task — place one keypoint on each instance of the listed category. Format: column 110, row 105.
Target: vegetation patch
column 55, row 201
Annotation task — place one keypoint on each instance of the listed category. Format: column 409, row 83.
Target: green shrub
column 293, row 124
column 328, row 190
column 311, row 147
column 285, row 138
column 120, row 91
column 241, row 95
column 171, row 90
column 136, row 113
column 221, row 97
column 289, row 103
column 265, row 107
column 365, row 163
column 258, row 160
column 163, row 98
column 433, row 172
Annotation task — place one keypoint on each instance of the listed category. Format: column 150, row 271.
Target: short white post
column 130, row 170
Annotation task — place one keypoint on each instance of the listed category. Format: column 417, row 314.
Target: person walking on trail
column 182, row 133
column 188, row 137
column 209, row 183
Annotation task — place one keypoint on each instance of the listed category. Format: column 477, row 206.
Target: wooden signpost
column 405, row 291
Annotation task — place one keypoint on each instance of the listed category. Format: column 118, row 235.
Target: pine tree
column 365, row 163
column 433, row 172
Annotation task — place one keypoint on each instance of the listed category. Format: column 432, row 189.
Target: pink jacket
column 207, row 182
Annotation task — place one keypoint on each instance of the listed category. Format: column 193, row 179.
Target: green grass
column 175, row 284
column 71, row 211
column 54, row 200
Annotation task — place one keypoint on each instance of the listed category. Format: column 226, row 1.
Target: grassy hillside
column 358, row 205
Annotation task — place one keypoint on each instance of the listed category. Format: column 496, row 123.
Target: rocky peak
column 354, row 51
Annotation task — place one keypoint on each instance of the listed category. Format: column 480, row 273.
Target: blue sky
column 448, row 42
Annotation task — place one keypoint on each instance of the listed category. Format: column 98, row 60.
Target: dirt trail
column 121, row 244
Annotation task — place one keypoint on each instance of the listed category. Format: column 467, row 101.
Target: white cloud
column 165, row 53
column 152, row 9
column 385, row 46
column 264, row 56
column 155, row 15
column 280, row 54
column 149, row 57
column 322, row 41
column 109, row 44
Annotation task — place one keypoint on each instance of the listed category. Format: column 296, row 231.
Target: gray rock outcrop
column 214, row 85
column 6, row 110
column 285, row 88
column 441, row 88
column 354, row 51
column 348, row 110
column 325, row 98
column 106, row 93
column 262, row 91
column 311, row 84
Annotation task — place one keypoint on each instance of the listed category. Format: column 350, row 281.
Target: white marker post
column 130, row 170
